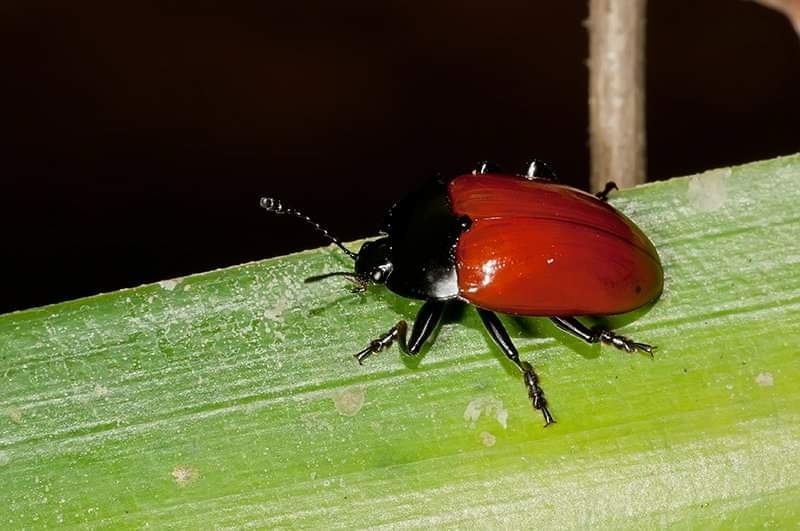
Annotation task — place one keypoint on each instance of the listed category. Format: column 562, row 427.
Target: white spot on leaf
column 488, row 406
column 350, row 401
column 170, row 284
column 488, row 439
column 708, row 191
column 185, row 475
column 765, row 379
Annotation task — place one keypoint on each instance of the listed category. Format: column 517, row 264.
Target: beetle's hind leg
column 603, row 195
column 594, row 335
column 426, row 322
column 500, row 336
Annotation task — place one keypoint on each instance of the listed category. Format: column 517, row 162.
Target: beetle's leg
column 539, row 169
column 487, row 166
column 397, row 332
column 500, row 336
column 427, row 319
column 577, row 329
column 603, row 196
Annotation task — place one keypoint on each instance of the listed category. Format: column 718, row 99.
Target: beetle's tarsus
column 397, row 332
column 535, row 393
column 603, row 195
column 597, row 334
column 622, row 343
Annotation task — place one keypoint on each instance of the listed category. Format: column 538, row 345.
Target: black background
column 137, row 137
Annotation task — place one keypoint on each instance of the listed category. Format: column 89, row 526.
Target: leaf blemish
column 170, row 284
column 488, row 439
column 765, row 379
column 185, row 475
column 488, row 406
column 276, row 312
column 708, row 191
column 15, row 414
column 349, row 401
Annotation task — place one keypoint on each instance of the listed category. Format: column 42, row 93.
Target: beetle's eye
column 380, row 273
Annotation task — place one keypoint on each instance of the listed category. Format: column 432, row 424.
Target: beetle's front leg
column 397, row 332
column 426, row 322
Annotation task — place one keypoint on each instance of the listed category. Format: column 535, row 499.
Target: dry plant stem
column 616, row 91
column 790, row 8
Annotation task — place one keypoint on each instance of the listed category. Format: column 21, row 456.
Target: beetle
column 522, row 245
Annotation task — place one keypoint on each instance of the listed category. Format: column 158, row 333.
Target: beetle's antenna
column 359, row 284
column 323, row 276
column 276, row 207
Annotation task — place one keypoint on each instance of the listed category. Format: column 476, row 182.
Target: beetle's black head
column 373, row 264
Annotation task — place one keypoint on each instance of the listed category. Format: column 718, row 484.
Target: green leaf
column 231, row 398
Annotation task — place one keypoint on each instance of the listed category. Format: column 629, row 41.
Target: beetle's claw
column 647, row 349
column 623, row 343
column 363, row 354
column 374, row 347
column 548, row 418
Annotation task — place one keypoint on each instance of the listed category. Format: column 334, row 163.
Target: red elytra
column 540, row 248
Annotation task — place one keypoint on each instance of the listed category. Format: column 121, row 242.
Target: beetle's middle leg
column 500, row 336
column 427, row 320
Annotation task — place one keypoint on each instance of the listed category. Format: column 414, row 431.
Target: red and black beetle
column 520, row 245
